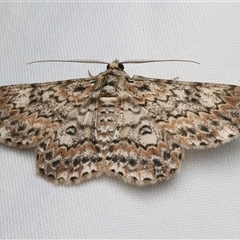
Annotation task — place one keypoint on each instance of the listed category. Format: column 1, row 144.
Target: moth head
column 115, row 65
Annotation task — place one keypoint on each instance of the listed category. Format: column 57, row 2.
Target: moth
column 133, row 128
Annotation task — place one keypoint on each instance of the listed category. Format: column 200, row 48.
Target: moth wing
column 71, row 153
column 28, row 112
column 141, row 152
column 197, row 115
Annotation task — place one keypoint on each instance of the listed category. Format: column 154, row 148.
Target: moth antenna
column 75, row 61
column 150, row 61
column 123, row 62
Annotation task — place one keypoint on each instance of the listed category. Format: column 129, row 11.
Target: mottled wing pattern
column 28, row 112
column 58, row 118
column 71, row 153
column 197, row 115
column 141, row 152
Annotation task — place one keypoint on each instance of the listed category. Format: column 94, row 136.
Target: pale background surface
column 203, row 201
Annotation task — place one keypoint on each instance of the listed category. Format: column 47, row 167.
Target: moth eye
column 108, row 66
column 120, row 65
